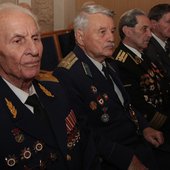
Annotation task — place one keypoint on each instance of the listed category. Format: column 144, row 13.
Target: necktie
column 105, row 70
column 35, row 103
column 106, row 73
column 167, row 49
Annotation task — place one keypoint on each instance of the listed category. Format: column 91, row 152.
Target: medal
column 11, row 160
column 100, row 100
column 93, row 105
column 19, row 137
column 38, row 146
column 105, row 117
column 26, row 153
column 106, row 97
column 94, row 89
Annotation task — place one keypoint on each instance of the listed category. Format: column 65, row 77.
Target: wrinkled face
column 162, row 27
column 139, row 36
column 97, row 39
column 20, row 47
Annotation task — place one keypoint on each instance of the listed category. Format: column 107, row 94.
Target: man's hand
column 153, row 136
column 136, row 164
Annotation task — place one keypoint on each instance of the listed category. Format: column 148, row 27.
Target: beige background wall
column 120, row 6
column 58, row 14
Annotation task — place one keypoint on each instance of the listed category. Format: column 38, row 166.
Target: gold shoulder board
column 46, row 76
column 68, row 61
column 121, row 56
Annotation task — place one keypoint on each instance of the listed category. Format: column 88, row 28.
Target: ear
column 79, row 35
column 153, row 23
column 127, row 31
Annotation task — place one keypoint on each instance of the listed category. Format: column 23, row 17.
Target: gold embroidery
column 48, row 93
column 122, row 56
column 46, row 76
column 68, row 61
column 11, row 108
column 158, row 120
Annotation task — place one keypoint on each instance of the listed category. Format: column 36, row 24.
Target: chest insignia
column 121, row 56
column 68, row 61
column 11, row 108
column 47, row 92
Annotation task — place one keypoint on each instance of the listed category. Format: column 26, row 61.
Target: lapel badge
column 11, row 160
column 93, row 105
column 137, row 60
column 19, row 137
column 93, row 89
column 100, row 100
column 47, row 92
column 106, row 97
column 11, row 108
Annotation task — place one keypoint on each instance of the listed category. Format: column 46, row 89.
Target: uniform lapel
column 55, row 115
column 24, row 119
column 96, row 77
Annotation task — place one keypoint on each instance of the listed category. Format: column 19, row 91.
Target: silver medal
column 105, row 118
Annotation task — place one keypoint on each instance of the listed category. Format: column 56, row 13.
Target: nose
column 111, row 36
column 32, row 48
column 149, row 33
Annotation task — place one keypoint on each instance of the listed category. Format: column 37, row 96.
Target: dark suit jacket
column 91, row 93
column 158, row 55
column 147, row 86
column 21, row 130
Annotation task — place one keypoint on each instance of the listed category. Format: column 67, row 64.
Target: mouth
column 32, row 64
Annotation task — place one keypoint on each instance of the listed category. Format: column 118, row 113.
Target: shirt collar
column 134, row 51
column 96, row 63
column 162, row 43
column 22, row 95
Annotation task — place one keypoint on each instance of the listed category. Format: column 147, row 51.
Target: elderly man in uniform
column 144, row 81
column 38, row 127
column 92, row 81
column 158, row 49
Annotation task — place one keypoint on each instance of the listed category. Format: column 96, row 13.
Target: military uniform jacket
column 110, row 120
column 158, row 55
column 30, row 142
column 146, row 85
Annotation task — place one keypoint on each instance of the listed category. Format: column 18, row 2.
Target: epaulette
column 121, row 56
column 46, row 76
column 68, row 61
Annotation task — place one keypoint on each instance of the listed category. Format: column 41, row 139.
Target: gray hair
column 81, row 20
column 13, row 7
column 129, row 19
